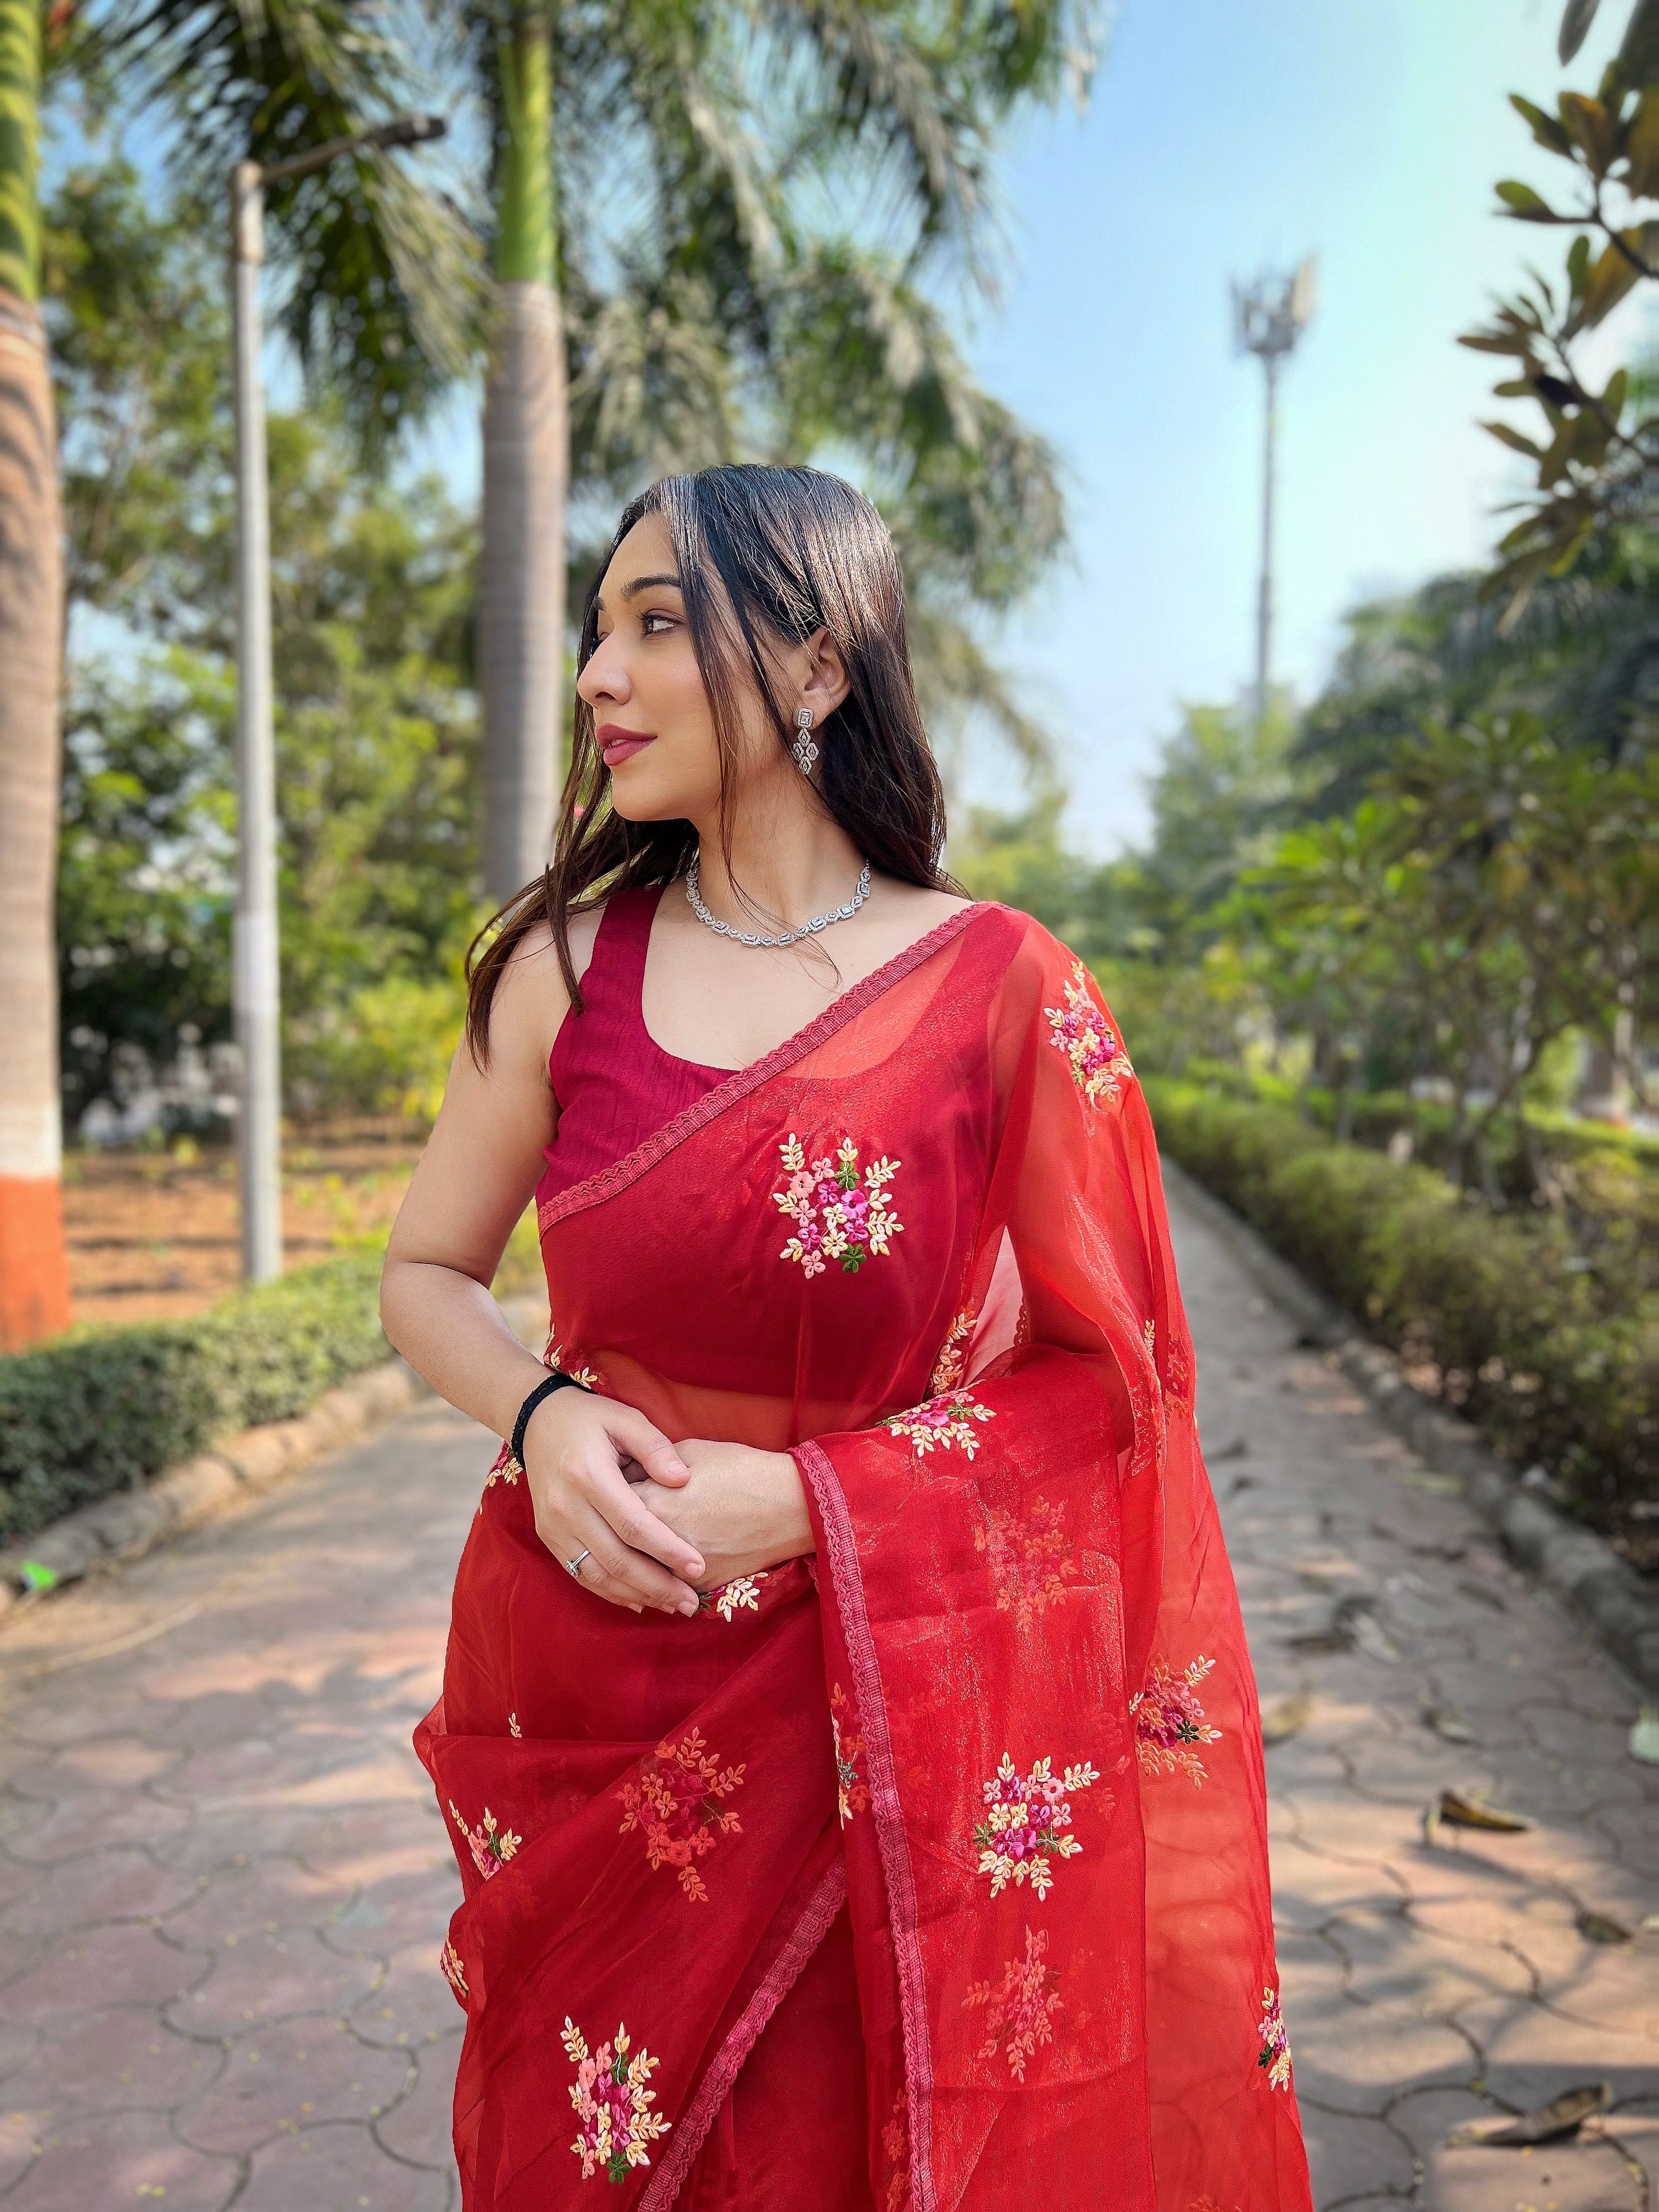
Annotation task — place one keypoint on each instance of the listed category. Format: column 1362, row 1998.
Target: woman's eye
column 645, row 620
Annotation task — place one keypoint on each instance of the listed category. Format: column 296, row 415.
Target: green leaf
column 1527, row 206
column 1638, row 54
column 1613, row 398
column 1575, row 23
column 1514, row 440
column 1614, row 273
column 1497, row 341
column 1641, row 146
column 1544, row 128
column 1592, row 130
column 1578, row 255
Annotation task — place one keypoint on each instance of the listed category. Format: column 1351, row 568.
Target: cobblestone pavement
column 222, row 1880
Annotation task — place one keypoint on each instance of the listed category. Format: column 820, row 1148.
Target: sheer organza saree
column 1005, row 1715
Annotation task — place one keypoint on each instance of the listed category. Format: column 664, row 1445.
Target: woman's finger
column 635, row 1436
column 619, row 1502
column 621, row 1576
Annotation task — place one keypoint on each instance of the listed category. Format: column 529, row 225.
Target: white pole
column 255, row 990
column 1264, row 618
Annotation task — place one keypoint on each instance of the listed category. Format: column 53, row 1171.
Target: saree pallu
column 1004, row 1718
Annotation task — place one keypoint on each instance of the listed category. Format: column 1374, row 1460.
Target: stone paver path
column 224, row 1882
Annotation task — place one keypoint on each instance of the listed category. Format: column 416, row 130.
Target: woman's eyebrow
column 631, row 591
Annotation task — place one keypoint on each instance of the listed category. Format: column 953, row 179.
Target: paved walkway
column 223, row 1880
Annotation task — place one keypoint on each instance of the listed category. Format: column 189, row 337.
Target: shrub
column 1553, row 1358
column 94, row 1412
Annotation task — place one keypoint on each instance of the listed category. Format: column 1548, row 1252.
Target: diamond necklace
column 860, row 892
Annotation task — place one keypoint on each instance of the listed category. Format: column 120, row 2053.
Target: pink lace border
column 608, row 1182
column 693, row 2128
column 849, row 1585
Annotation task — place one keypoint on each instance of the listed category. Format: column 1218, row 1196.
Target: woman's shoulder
column 532, row 997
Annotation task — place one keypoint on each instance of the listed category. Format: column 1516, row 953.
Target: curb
column 1579, row 1570
column 98, row 1539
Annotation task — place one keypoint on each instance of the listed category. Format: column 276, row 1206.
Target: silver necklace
column 860, row 892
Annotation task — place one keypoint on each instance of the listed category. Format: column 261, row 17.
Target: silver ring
column 574, row 1567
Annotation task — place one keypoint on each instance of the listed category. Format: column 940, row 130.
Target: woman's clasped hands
column 658, row 1522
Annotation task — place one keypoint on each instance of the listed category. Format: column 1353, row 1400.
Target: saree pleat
column 999, row 1733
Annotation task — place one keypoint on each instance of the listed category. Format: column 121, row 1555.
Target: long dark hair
column 759, row 550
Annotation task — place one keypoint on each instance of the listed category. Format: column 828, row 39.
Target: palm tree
column 33, row 1269
column 713, row 226
column 380, row 287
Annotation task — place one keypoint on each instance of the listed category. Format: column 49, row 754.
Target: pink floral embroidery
column 1078, row 1029
column 896, row 2142
column 1026, row 1820
column 513, row 1727
column 949, row 1367
column 506, row 1469
column 852, row 1790
column 1169, row 1719
column 615, row 2121
column 727, row 1598
column 943, row 1421
column 679, row 1803
column 491, row 1846
column 835, row 1217
column 1028, row 1559
column 1020, row 2005
column 1275, row 2053
column 450, row 1960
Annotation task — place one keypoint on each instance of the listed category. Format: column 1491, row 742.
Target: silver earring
column 805, row 750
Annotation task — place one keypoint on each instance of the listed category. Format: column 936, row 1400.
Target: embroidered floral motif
column 679, row 1803
column 506, row 1469
column 1020, row 2005
column 513, row 1727
column 852, row 1790
column 952, row 1359
column 615, row 2121
column 556, row 1355
column 1169, row 1719
column 1078, row 1029
column 1275, row 2053
column 942, row 1421
column 1026, row 1819
column 896, row 2142
column 491, row 1846
column 835, row 1217
column 450, row 1960
column 743, row 1590
column 1029, row 1561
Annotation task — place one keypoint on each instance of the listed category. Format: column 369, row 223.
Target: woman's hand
column 574, row 1450
column 743, row 1509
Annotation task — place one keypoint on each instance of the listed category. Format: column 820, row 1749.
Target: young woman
column 847, row 1734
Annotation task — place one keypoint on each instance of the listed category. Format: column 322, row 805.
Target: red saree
column 998, row 1742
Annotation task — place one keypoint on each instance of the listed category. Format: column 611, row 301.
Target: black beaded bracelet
column 558, row 1380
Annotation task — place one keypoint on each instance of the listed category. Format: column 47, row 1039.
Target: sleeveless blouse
column 614, row 1084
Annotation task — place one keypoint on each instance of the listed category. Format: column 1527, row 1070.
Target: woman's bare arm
column 479, row 1169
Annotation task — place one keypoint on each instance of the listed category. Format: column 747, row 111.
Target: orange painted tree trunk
column 34, row 1296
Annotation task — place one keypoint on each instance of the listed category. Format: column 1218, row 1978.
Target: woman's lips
column 618, row 745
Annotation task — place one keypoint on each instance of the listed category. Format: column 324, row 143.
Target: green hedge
column 94, row 1412
column 1556, row 1365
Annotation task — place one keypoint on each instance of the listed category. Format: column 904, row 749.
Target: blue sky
column 1223, row 135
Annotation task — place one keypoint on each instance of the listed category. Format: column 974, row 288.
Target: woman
column 847, row 1734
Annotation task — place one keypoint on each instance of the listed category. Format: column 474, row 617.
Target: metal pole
column 255, row 990
column 1264, row 621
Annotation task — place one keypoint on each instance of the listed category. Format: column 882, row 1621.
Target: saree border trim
column 818, row 1469
column 691, row 2128
column 607, row 1182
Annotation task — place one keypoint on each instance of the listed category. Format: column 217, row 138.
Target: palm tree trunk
column 34, row 1270
column 525, row 469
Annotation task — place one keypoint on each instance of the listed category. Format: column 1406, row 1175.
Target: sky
column 1223, row 137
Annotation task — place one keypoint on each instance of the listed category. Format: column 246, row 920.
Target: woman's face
column 652, row 720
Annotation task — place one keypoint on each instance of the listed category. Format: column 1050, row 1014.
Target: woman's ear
column 825, row 682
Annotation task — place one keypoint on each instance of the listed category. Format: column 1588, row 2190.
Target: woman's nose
column 605, row 676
